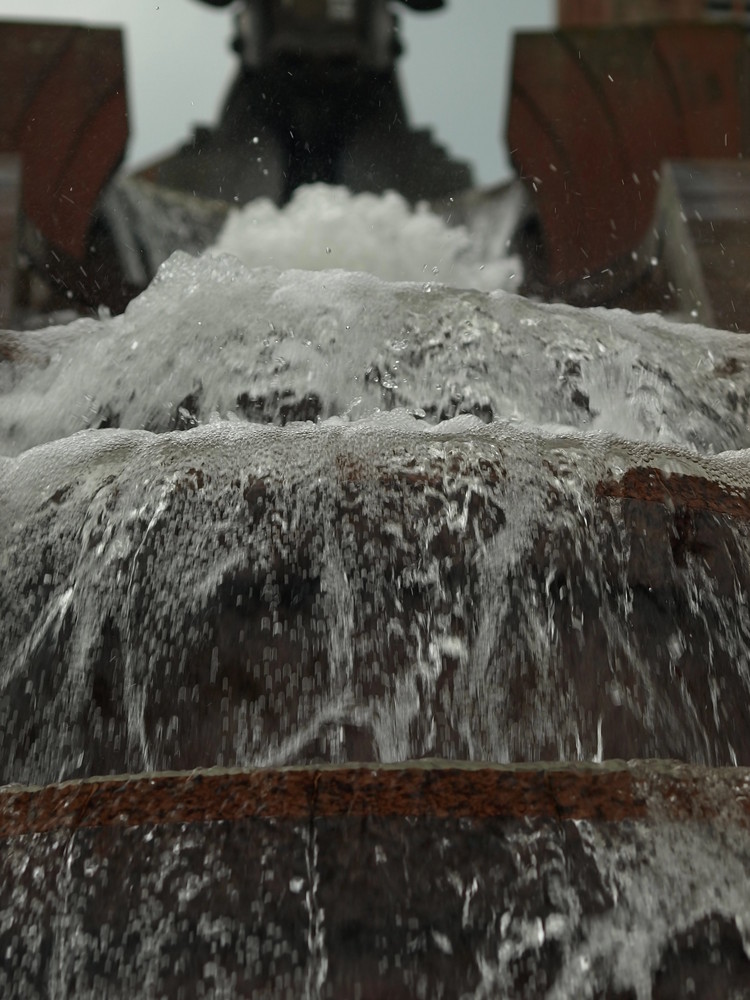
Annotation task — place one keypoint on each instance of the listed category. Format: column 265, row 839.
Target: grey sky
column 455, row 73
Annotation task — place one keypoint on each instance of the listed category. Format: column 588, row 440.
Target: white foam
column 124, row 537
column 326, row 227
column 210, row 339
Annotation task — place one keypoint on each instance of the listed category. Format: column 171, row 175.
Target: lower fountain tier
column 606, row 881
column 251, row 596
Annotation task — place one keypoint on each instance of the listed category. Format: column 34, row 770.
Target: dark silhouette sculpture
column 316, row 98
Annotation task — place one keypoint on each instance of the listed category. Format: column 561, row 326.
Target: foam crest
column 211, row 339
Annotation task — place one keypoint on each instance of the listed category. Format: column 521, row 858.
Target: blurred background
column 455, row 72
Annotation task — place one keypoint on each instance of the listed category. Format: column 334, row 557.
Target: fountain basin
column 427, row 878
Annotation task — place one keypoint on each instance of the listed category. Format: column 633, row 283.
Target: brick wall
column 580, row 13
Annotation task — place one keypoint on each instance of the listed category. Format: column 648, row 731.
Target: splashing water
column 323, row 228
column 289, row 516
column 211, row 340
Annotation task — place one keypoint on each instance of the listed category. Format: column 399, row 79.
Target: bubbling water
column 211, row 340
column 372, row 580
column 272, row 517
column 324, row 228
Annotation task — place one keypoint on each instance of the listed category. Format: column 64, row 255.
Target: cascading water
column 276, row 517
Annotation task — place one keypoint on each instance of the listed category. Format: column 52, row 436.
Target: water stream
column 276, row 516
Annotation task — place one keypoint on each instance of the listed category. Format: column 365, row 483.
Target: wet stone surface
column 247, row 596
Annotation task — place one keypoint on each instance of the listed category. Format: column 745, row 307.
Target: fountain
column 332, row 608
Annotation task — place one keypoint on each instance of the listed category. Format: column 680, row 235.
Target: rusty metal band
column 608, row 793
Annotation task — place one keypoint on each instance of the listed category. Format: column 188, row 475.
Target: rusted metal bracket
column 64, row 113
column 594, row 112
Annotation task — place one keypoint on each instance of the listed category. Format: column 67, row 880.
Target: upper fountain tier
column 210, row 338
